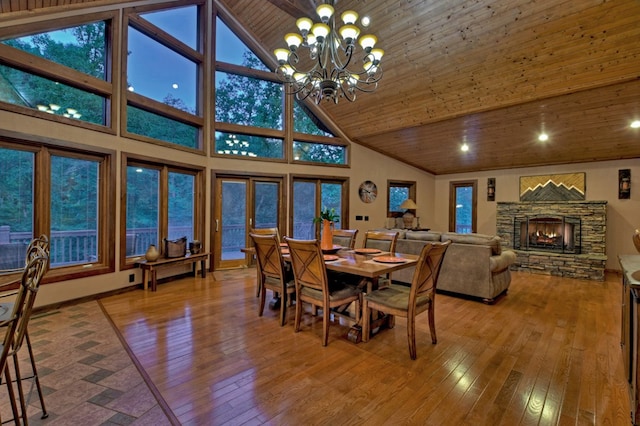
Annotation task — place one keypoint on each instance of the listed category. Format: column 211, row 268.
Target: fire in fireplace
column 560, row 234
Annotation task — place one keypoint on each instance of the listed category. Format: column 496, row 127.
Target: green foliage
column 329, row 214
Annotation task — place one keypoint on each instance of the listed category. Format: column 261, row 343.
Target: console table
column 630, row 333
column 151, row 268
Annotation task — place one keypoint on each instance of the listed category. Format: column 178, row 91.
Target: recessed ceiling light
column 365, row 21
column 635, row 124
column 174, row 85
column 542, row 137
column 464, row 147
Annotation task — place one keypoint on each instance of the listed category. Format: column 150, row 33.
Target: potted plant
column 327, row 217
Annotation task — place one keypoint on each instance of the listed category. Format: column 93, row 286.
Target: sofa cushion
column 492, row 241
column 423, row 235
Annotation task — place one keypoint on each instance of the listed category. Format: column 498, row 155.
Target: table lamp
column 408, row 217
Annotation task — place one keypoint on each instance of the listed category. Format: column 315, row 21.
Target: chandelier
column 333, row 71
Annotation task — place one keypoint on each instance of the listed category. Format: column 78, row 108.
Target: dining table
column 370, row 265
column 367, row 264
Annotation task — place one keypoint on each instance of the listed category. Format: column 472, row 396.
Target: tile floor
column 88, row 378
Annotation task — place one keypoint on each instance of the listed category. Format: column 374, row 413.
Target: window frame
column 43, row 150
column 164, row 167
column 44, row 68
column 394, row 183
column 132, row 17
column 319, row 180
column 453, row 186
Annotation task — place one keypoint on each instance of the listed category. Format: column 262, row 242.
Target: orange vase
column 327, row 235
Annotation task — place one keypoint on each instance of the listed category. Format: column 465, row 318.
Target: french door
column 241, row 203
column 309, row 195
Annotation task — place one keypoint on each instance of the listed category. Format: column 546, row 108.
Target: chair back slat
column 308, row 264
column 266, row 231
column 381, row 240
column 425, row 277
column 345, row 237
column 268, row 255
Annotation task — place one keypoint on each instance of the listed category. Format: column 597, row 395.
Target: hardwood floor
column 547, row 353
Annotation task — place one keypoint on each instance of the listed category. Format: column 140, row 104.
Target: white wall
column 623, row 216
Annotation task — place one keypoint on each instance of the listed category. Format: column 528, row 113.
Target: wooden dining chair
column 272, row 273
column 408, row 302
column 345, row 237
column 381, row 240
column 266, row 231
column 15, row 327
column 312, row 285
column 38, row 247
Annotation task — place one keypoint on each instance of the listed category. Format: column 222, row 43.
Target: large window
column 164, row 64
column 251, row 111
column 162, row 201
column 63, row 73
column 62, row 194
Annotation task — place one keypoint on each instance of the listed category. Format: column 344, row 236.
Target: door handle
column 250, row 222
column 217, row 221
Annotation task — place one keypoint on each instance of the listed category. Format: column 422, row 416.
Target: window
column 78, row 92
column 248, row 101
column 311, row 152
column 398, row 192
column 162, row 201
column 463, row 198
column 66, row 199
column 309, row 196
column 164, row 64
column 248, row 94
column 249, row 146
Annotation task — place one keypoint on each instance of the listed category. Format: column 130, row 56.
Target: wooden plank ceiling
column 489, row 73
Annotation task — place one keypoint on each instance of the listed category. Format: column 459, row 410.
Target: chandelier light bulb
column 293, row 41
column 281, row 55
column 304, row 25
column 324, row 12
column 368, row 42
column 349, row 33
column 320, row 31
column 377, row 55
column 349, row 17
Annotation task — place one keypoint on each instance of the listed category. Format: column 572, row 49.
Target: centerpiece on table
column 328, row 217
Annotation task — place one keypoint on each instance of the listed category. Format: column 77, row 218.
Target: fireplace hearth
column 560, row 234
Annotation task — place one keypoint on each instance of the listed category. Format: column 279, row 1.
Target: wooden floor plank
column 546, row 353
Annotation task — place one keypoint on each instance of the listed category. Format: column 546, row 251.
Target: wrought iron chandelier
column 332, row 71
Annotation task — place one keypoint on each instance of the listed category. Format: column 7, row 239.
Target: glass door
column 463, row 207
column 242, row 203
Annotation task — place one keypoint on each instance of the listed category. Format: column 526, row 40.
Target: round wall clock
column 368, row 191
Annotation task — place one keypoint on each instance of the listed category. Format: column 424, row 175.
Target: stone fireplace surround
column 589, row 264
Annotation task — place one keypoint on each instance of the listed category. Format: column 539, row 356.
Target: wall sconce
column 624, row 183
column 491, row 189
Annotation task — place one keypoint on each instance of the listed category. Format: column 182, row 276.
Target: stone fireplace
column 563, row 238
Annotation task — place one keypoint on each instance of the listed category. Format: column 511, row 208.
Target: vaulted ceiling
column 490, row 73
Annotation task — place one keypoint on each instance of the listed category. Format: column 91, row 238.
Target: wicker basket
column 175, row 248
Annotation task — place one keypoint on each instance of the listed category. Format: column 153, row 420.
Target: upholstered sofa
column 475, row 264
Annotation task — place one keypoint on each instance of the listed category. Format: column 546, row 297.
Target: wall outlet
column 366, row 218
column 132, row 277
column 358, row 217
